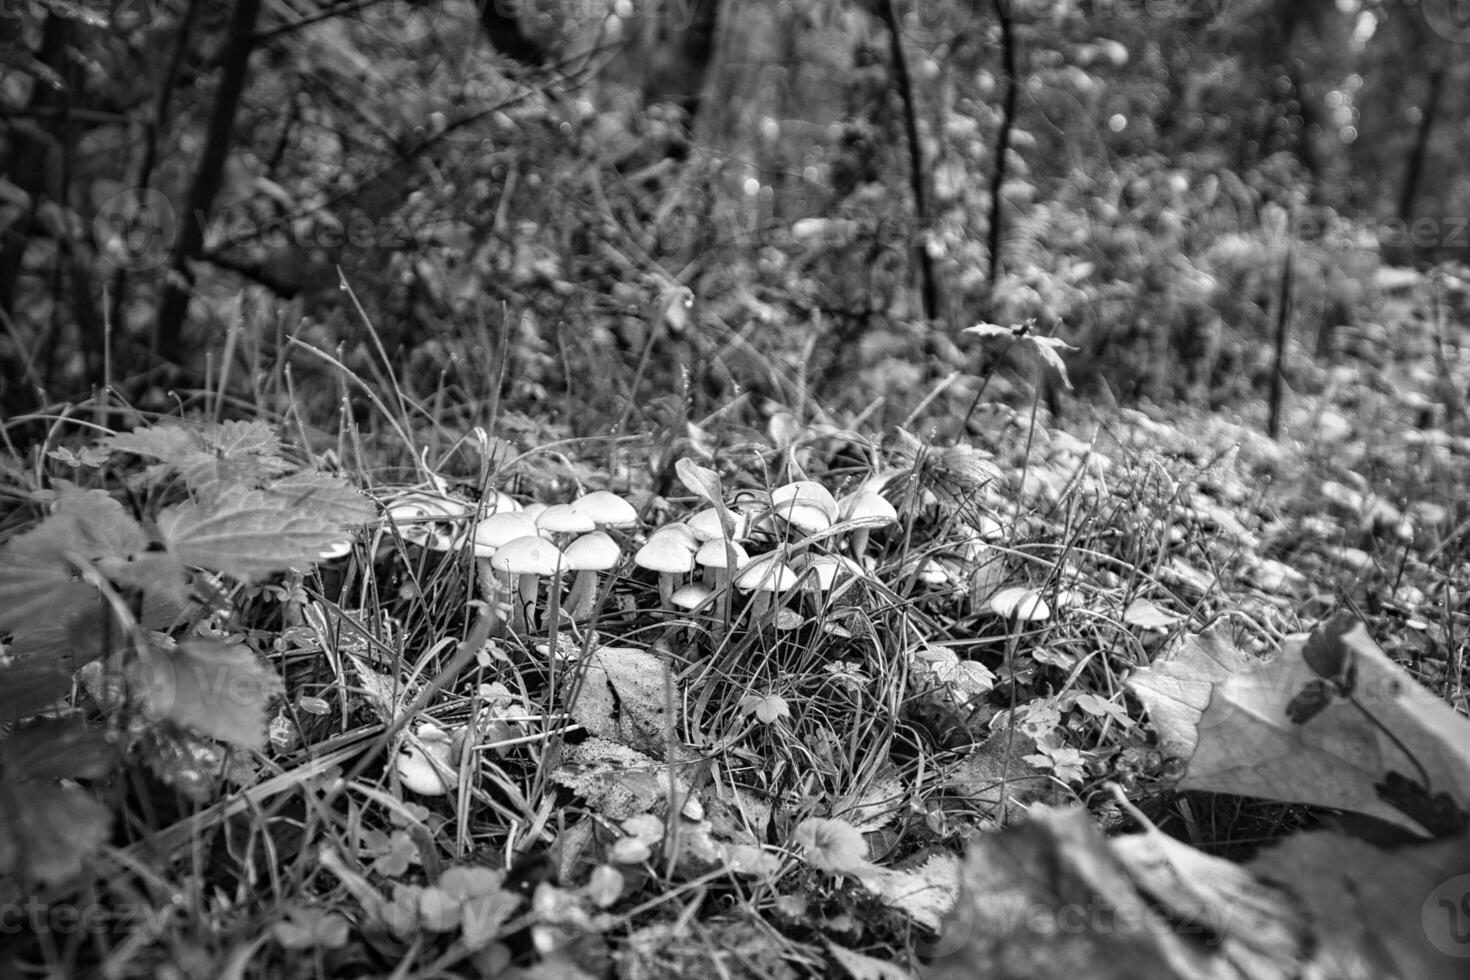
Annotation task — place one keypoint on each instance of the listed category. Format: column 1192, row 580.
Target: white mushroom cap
column 565, row 519
column 712, row 554
column 691, row 596
column 806, row 492
column 667, row 552
column 768, row 573
column 806, row 518
column 826, row 570
column 591, row 552
column 869, row 508
column 416, row 514
column 528, row 555
column 497, row 502
column 929, row 571
column 606, row 509
column 426, row 767
column 706, row 525
column 500, row 527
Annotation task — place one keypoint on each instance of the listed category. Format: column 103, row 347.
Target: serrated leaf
column 39, row 579
column 168, row 443
column 215, row 688
column 56, row 748
column 47, row 830
column 211, row 457
column 236, row 439
column 329, row 497
column 249, row 533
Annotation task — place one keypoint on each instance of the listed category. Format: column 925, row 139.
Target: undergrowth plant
column 121, row 609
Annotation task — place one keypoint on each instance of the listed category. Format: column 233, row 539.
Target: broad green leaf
column 69, row 639
column 209, row 458
column 171, row 444
column 238, row 439
column 39, row 575
column 215, row 688
column 328, row 497
column 249, row 533
column 47, row 830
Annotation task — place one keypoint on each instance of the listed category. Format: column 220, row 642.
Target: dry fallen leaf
column 1332, row 722
column 1377, row 913
column 1054, row 898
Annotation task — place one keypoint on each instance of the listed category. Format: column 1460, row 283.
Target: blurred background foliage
column 652, row 210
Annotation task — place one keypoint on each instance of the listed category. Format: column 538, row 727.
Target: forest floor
column 1070, row 639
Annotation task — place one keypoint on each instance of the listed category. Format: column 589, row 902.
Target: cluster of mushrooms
column 698, row 560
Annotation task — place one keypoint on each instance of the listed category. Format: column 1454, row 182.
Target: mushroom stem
column 760, row 604
column 496, row 593
column 666, row 581
column 526, row 608
column 578, row 603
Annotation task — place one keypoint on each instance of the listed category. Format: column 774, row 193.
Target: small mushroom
column 820, row 574
column 419, row 516
column 669, row 551
column 528, row 558
column 606, row 509
column 720, row 560
column 706, row 525
column 425, row 763
column 690, row 596
column 490, row 533
column 806, row 505
column 866, row 510
column 561, row 522
column 765, row 577
column 587, row 555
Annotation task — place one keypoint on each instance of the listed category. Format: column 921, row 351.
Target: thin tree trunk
column 1278, row 361
column 1414, row 168
column 235, row 70
column 928, row 277
column 1003, row 138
